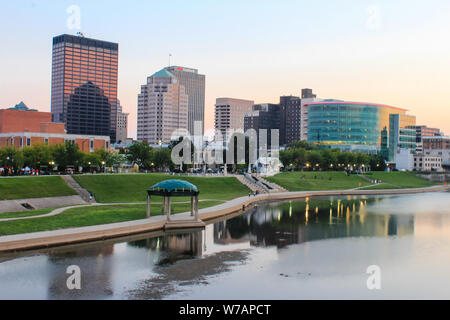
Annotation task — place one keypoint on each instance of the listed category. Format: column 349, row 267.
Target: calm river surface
column 315, row 249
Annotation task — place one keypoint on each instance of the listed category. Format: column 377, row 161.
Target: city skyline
column 375, row 52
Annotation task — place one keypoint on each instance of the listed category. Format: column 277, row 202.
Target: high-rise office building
column 194, row 84
column 402, row 134
column 162, row 108
column 84, row 85
column 294, row 116
column 290, row 119
column 308, row 94
column 264, row 116
column 349, row 126
column 122, row 124
column 229, row 114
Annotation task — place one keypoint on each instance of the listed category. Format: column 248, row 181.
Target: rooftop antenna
column 81, row 34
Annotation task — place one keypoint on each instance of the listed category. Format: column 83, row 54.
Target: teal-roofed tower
column 162, row 109
column 21, row 107
column 163, row 74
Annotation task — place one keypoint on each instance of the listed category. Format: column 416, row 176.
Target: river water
column 320, row 248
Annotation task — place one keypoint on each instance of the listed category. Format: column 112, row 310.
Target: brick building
column 20, row 127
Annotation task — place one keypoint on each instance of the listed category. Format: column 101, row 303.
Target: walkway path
column 63, row 209
column 114, row 230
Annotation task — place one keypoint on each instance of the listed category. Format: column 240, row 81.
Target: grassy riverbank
column 316, row 181
column 125, row 188
column 90, row 216
column 397, row 180
column 120, row 190
column 33, row 187
column 312, row 181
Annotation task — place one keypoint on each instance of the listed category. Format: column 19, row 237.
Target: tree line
column 44, row 158
column 303, row 156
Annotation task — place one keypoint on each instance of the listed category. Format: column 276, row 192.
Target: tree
column 329, row 159
column 141, row 154
column 12, row 158
column 66, row 155
column 162, row 159
column 36, row 156
column 286, row 158
column 299, row 158
column 377, row 163
column 315, row 159
column 301, row 145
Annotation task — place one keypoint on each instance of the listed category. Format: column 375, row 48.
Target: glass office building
column 350, row 126
column 84, row 84
column 402, row 134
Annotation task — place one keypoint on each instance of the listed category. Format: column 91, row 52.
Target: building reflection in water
column 267, row 225
column 297, row 222
column 171, row 248
column 95, row 269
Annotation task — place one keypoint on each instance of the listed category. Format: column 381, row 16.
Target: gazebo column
column 164, row 206
column 196, row 207
column 148, row 205
column 168, row 208
column 192, row 207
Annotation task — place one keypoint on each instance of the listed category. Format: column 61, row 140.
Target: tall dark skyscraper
column 194, row 84
column 290, row 119
column 308, row 94
column 264, row 116
column 84, row 85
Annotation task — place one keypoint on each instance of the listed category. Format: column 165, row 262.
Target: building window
column 28, row 142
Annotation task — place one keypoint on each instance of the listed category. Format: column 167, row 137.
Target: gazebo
column 173, row 188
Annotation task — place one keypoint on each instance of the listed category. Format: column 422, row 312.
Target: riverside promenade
column 209, row 215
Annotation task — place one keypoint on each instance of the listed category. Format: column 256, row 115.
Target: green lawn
column 398, row 180
column 125, row 188
column 31, row 213
column 294, row 181
column 91, row 215
column 119, row 189
column 33, row 187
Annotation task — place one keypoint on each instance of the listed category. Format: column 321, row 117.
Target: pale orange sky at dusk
column 259, row 54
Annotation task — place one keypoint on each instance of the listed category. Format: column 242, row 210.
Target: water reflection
column 96, row 269
column 160, row 265
column 297, row 222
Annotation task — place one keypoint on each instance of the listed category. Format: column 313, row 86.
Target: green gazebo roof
column 174, row 188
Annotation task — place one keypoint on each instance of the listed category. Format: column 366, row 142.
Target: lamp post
column 52, row 164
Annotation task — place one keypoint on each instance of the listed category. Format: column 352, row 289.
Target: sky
column 389, row 52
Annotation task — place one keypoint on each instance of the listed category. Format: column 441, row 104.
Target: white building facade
column 162, row 109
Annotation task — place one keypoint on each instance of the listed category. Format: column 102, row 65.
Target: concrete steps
column 275, row 187
column 250, row 184
column 84, row 194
